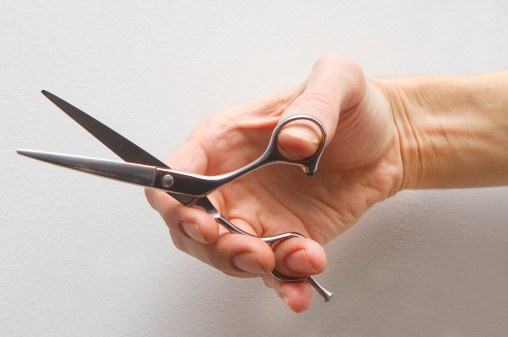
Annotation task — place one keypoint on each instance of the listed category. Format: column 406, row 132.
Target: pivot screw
column 167, row 180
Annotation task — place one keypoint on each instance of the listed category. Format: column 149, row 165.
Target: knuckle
column 318, row 98
column 337, row 61
column 340, row 66
column 330, row 58
column 177, row 241
column 218, row 263
column 150, row 198
column 168, row 215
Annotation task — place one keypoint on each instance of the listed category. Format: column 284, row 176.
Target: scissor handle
column 199, row 185
column 327, row 295
column 272, row 153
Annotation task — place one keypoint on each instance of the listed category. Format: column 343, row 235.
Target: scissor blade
column 120, row 145
column 137, row 174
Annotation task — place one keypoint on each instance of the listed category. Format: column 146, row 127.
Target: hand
column 361, row 165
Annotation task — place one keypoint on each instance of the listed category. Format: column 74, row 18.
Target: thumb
column 299, row 139
column 335, row 83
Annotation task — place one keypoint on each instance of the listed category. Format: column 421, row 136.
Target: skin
column 383, row 136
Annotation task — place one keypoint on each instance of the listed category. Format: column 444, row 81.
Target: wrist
column 453, row 131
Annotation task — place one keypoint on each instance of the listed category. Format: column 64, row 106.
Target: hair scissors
column 141, row 168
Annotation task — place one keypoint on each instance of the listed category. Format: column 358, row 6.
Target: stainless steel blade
column 120, row 145
column 137, row 174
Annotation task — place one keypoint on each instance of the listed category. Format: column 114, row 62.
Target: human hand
column 361, row 165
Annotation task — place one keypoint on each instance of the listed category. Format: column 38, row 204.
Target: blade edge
column 136, row 174
column 117, row 143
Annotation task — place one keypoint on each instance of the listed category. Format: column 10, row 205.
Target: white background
column 84, row 256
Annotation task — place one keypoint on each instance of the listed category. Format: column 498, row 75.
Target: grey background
column 83, row 256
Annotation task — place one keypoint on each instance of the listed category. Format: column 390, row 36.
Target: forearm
column 453, row 131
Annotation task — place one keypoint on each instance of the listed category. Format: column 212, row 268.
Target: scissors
column 192, row 190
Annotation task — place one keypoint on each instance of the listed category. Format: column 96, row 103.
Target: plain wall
column 84, row 256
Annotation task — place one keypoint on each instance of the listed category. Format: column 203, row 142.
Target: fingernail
column 302, row 131
column 192, row 230
column 299, row 140
column 247, row 262
column 299, row 262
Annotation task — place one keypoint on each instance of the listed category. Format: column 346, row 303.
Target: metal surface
column 189, row 189
column 120, row 145
column 200, row 186
column 137, row 174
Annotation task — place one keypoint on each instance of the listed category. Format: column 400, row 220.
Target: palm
column 357, row 170
column 360, row 166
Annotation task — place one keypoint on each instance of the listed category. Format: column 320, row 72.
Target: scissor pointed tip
column 29, row 153
column 22, row 151
column 143, row 175
column 39, row 155
column 47, row 94
column 63, row 105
